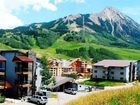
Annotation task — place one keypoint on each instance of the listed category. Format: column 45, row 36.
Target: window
column 103, row 71
column 121, row 78
column 95, row 66
column 112, row 78
column 122, row 68
column 95, row 71
column 112, row 72
column 103, row 77
column 112, row 67
column 121, row 73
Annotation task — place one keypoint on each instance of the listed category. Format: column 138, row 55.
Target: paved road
column 62, row 99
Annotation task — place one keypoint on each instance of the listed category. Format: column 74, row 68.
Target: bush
column 73, row 75
column 2, row 99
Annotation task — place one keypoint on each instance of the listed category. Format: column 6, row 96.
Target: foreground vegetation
column 102, row 83
column 2, row 99
column 126, row 96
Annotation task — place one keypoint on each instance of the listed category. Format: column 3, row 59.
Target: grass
column 122, row 53
column 102, row 83
column 54, row 95
column 125, row 96
column 50, row 52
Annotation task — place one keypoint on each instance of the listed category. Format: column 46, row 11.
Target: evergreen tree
column 46, row 75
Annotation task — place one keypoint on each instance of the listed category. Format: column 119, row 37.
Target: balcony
column 24, row 84
column 2, row 85
column 2, row 71
column 23, row 71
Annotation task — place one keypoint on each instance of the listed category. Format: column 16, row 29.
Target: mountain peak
column 111, row 9
column 111, row 14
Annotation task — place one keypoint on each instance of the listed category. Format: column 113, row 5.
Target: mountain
column 110, row 24
column 109, row 28
column 109, row 20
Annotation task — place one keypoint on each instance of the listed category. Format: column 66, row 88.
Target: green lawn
column 102, row 83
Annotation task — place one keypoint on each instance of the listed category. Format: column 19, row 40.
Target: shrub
column 2, row 99
column 125, row 96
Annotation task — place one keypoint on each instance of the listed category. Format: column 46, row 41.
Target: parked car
column 70, row 91
column 43, row 93
column 38, row 99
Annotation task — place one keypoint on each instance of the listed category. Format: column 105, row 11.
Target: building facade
column 120, row 70
column 61, row 66
column 20, row 72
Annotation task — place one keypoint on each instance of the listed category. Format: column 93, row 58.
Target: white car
column 70, row 91
column 38, row 99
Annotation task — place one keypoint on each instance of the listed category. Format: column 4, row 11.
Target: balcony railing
column 23, row 84
column 24, row 73
column 2, row 83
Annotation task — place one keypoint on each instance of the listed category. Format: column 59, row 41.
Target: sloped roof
column 2, row 59
column 22, row 59
column 114, row 63
column 60, row 81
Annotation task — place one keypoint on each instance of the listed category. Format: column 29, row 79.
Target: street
column 61, row 100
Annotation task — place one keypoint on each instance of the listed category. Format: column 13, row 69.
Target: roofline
column 111, row 66
column 12, row 51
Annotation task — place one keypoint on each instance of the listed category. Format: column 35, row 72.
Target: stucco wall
column 116, row 76
column 38, row 74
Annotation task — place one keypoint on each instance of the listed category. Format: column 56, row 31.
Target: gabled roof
column 60, row 81
column 114, row 63
column 2, row 59
column 22, row 59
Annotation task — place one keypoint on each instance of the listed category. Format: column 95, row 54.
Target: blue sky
column 23, row 12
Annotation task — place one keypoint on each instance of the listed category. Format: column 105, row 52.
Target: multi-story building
column 19, row 70
column 2, row 73
column 61, row 66
column 120, row 70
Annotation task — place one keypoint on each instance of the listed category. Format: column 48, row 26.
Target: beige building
column 56, row 70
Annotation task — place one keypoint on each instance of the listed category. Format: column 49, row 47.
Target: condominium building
column 120, row 70
column 18, row 73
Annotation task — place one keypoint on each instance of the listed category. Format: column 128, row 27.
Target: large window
column 121, row 78
column 95, row 71
column 103, row 77
column 112, row 72
column 122, row 73
column 112, row 78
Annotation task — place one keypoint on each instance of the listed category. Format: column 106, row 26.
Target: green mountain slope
column 109, row 34
column 121, row 53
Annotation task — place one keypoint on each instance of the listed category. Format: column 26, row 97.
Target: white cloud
column 8, row 7
column 77, row 1
column 8, row 20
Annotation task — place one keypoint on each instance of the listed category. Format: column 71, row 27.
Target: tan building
column 61, row 66
column 56, row 70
